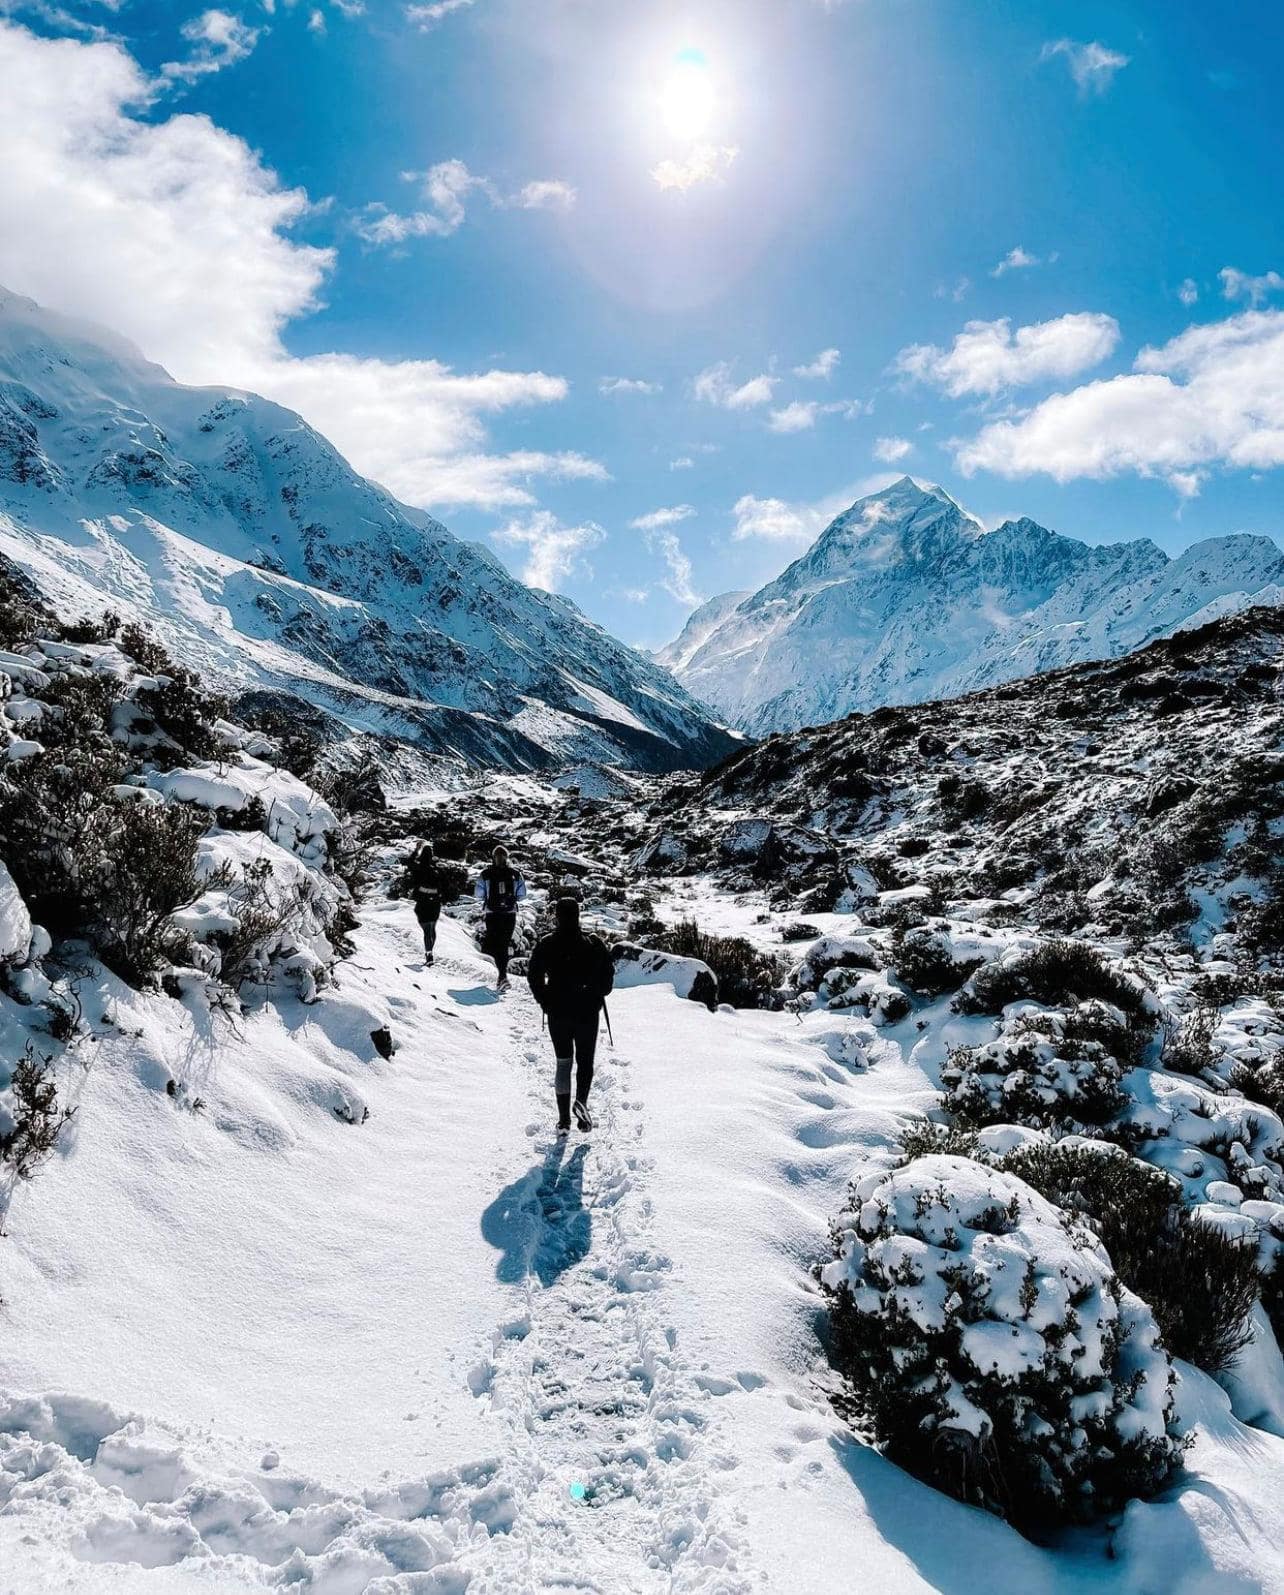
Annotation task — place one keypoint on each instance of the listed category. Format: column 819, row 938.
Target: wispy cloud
column 1017, row 259
column 890, row 450
column 658, row 519
column 800, row 416
column 824, row 365
column 684, row 462
column 781, row 521
column 1092, row 66
column 988, row 356
column 614, row 385
column 704, row 163
column 554, row 550
column 716, row 385
column 1253, row 290
column 429, row 15
column 445, row 189
column 219, row 40
column 1188, row 292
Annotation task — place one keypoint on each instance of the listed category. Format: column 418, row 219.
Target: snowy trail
column 612, row 1446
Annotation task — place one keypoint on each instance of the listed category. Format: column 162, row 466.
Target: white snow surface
column 905, row 597
column 258, row 1344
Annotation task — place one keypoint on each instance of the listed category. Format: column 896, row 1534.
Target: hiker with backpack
column 422, row 884
column 571, row 975
column 500, row 888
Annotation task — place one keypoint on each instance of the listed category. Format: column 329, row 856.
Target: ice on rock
column 15, row 922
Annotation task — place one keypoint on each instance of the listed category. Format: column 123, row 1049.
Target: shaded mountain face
column 906, row 597
column 247, row 540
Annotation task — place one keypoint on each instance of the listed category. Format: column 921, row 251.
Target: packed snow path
column 435, row 1350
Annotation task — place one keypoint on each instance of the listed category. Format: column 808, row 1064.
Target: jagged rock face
column 906, row 597
column 229, row 523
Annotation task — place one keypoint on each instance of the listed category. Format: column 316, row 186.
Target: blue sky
column 1043, row 239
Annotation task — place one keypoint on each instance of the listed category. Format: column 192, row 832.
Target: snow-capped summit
column 906, row 597
column 242, row 534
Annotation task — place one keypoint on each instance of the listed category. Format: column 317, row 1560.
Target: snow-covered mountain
column 230, row 525
column 906, row 597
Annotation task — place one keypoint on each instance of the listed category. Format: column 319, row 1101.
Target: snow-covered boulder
column 993, row 1348
column 665, row 854
column 15, row 922
column 834, row 952
column 645, row 966
column 294, row 815
column 769, row 847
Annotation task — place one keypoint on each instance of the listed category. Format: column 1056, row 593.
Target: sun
column 687, row 96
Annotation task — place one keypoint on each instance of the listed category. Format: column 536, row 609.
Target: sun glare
column 687, row 98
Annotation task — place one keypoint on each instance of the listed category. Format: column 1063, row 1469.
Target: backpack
column 501, row 889
column 577, row 972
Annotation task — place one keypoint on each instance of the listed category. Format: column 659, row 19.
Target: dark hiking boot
column 563, row 1113
column 582, row 1116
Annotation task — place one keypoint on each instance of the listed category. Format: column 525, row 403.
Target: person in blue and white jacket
column 500, row 888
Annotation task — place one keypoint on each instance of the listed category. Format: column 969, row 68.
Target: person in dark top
column 422, row 885
column 500, row 888
column 571, row 974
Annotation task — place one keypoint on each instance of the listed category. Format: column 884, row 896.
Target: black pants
column 428, row 914
column 499, row 938
column 574, row 1038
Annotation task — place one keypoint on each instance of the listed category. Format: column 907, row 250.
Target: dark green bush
column 747, row 978
column 1057, row 972
column 1199, row 1283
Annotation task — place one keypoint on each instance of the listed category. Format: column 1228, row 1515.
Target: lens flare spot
column 687, row 97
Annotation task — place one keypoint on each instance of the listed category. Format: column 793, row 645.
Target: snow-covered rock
column 15, row 921
column 906, row 597
column 645, row 966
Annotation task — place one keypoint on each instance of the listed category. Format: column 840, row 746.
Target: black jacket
column 571, row 973
column 422, row 885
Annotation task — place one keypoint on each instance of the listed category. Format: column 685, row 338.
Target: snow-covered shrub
column 644, row 966
column 992, row 1348
column 927, row 961
column 139, row 870
column 1199, row 1281
column 1049, row 1070
column 1058, row 973
column 31, row 1118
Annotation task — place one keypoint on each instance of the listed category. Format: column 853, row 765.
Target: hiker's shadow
column 539, row 1223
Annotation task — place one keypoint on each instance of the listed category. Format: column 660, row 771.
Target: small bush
column 1048, row 1071
column 32, row 1122
column 1056, row 972
column 1199, row 1282
column 140, row 869
column 925, row 962
column 992, row 1349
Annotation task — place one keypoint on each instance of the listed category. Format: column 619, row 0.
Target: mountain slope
column 905, row 597
column 228, row 523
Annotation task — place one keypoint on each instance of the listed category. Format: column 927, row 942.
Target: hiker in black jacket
column 422, row 885
column 571, row 974
column 500, row 888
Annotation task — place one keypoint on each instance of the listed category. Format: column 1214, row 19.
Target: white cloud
column 658, row 519
column 773, row 519
column 716, row 385
column 824, row 365
column 547, row 193
column 172, row 231
column 316, row 22
column 613, row 385
column 705, row 163
column 799, row 416
column 1188, row 293
column 1016, row 259
column 428, row 16
column 1092, row 66
column 218, row 38
column 1210, row 396
column 445, row 188
column 554, row 551
column 889, row 450
column 988, row 356
column 956, row 292
column 777, row 520
column 684, row 462
column 1255, row 290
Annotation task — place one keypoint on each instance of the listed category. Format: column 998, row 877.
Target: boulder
column 647, row 966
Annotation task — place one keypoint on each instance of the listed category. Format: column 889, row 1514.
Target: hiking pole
column 606, row 1014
